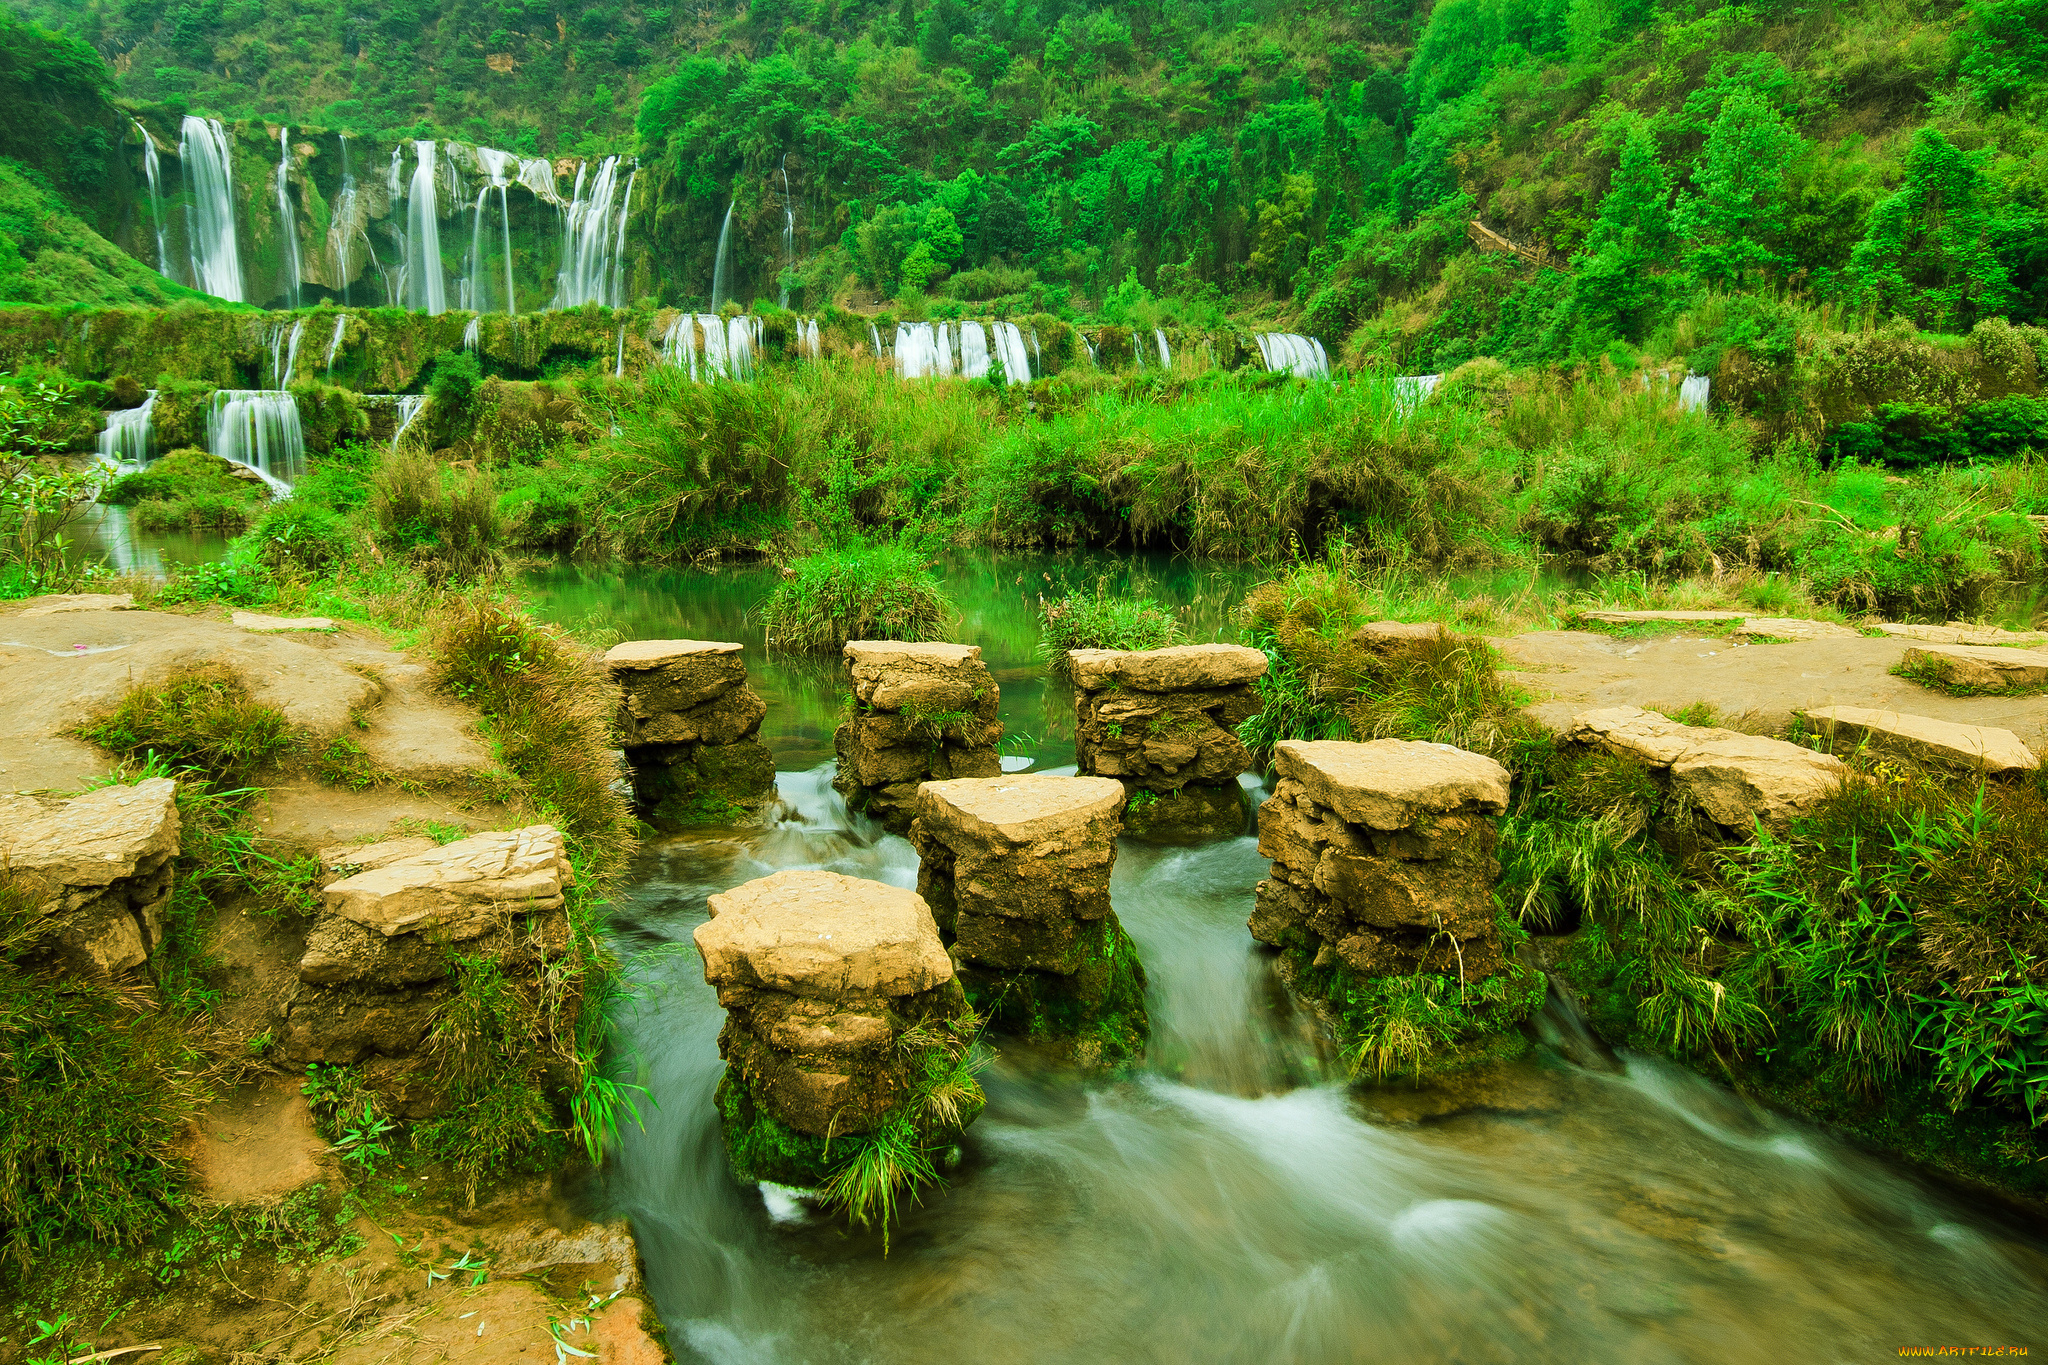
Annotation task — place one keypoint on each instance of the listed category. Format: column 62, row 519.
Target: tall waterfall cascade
column 594, row 238
column 1300, row 356
column 711, row 347
column 721, row 264
column 425, row 289
column 129, row 437
column 152, row 171
column 788, row 234
column 216, row 259
column 258, row 429
column 284, row 351
column 498, row 170
column 287, row 218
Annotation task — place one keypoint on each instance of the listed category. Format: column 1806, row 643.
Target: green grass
column 1928, row 673
column 202, row 718
column 1099, row 621
column 868, row 591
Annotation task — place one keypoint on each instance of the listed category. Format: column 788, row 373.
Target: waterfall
column 130, row 434
column 742, row 343
column 472, row 333
column 875, row 335
column 287, row 219
column 788, row 231
column 151, row 168
column 729, row 345
column 284, row 357
column 924, row 350
column 1137, row 350
column 1037, row 357
column 1692, row 393
column 341, row 233
column 1411, row 390
column 425, row 291
column 1009, row 343
column 259, row 429
column 809, row 344
column 980, row 343
column 499, row 168
column 409, row 406
column 588, row 234
column 210, row 219
column 1094, row 361
column 1165, row 355
column 1300, row 356
column 619, row 370
column 334, row 342
column 619, row 247
column 973, row 351
column 721, row 265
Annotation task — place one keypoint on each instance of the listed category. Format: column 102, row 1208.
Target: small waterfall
column 1094, row 361
column 721, row 265
column 788, row 230
column 287, row 218
column 875, row 335
column 809, row 344
column 1411, row 391
column 334, row 342
column 924, row 350
column 1137, row 350
column 742, row 344
column 973, row 351
column 589, row 233
column 342, row 228
column 1037, row 357
column 1165, row 354
column 1692, row 394
column 210, row 220
column 425, row 290
column 129, row 437
column 1300, row 356
column 259, row 429
column 409, row 406
column 499, row 168
column 619, row 369
column 619, row 247
column 727, row 346
column 284, row 355
column 152, row 170
column 472, row 333
column 1009, row 343
column 980, row 344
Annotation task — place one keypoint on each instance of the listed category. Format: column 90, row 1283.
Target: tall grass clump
column 862, row 590
column 1099, row 621
column 444, row 520
column 201, row 719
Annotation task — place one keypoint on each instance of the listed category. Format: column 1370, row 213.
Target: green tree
column 1729, row 228
column 2005, row 49
column 1281, row 246
column 1618, row 281
column 1925, row 253
column 940, row 236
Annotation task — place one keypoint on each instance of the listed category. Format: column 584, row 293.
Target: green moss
column 1097, row 1015
column 762, row 1147
column 1192, row 815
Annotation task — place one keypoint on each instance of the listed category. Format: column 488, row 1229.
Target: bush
column 207, row 511
column 1102, row 622
column 1902, row 435
column 178, row 474
column 2004, row 428
column 868, row 591
column 446, row 521
column 297, row 536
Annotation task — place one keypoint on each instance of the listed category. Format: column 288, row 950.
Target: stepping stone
column 102, row 863
column 1625, row 618
column 1181, row 668
column 64, row 603
column 1792, row 628
column 1734, row 778
column 1961, row 633
column 922, row 711
column 1392, row 783
column 249, row 620
column 1937, row 743
column 461, row 889
column 1981, row 666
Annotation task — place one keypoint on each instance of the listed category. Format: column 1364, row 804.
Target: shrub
column 446, row 521
column 297, row 536
column 1902, row 435
column 2004, row 428
column 867, row 591
column 206, row 511
column 181, row 474
column 1103, row 622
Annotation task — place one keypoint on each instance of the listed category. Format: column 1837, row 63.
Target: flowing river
column 1236, row 1200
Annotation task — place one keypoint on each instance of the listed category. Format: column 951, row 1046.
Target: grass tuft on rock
column 1099, row 621
column 866, row 590
column 201, row 718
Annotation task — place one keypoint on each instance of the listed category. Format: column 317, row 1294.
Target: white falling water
column 742, row 344
column 1037, row 356
column 1412, row 390
column 334, row 342
column 474, row 291
column 284, row 354
column 875, row 335
column 130, row 434
column 472, row 333
column 1300, row 356
column 925, row 350
column 711, row 347
column 592, row 232
column 973, row 351
column 342, row 229
column 258, row 429
column 287, row 218
column 618, row 276
column 425, row 290
column 980, row 343
column 788, row 229
column 409, row 407
column 210, row 219
column 619, row 369
column 1692, row 394
column 1165, row 354
column 152, row 170
column 721, row 264
column 809, row 344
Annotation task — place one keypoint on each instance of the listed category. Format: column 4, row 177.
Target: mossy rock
column 1192, row 815
column 1095, row 1018
column 184, row 474
column 760, row 1146
column 678, row 787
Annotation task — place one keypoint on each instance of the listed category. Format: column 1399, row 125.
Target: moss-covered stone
column 1095, row 1017
column 1192, row 815
column 760, row 1146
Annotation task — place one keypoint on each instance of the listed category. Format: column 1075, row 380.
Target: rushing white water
column 1412, row 390
column 875, row 336
column 472, row 333
column 288, row 218
column 284, row 351
column 1094, row 362
column 129, row 437
column 1165, row 352
column 473, row 290
column 979, row 343
column 343, row 228
column 810, row 344
column 1037, row 356
column 788, row 232
column 593, row 238
column 425, row 288
column 216, row 258
column 152, row 171
column 259, row 429
column 713, row 348
column 619, row 369
column 925, row 350
column 721, row 264
column 1692, row 393
column 409, row 406
column 334, row 342
column 1300, row 356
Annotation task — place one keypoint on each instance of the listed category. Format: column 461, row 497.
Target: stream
column 1236, row 1200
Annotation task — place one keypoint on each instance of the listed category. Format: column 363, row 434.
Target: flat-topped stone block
column 1791, row 628
column 264, row 625
column 922, row 711
column 1733, row 778
column 1989, row 667
column 458, row 890
column 1397, row 637
column 100, row 866
column 1389, row 784
column 1962, row 633
column 1922, row 739
column 1027, row 808
column 824, row 935
column 1178, row 668
column 689, row 725
column 1626, row 618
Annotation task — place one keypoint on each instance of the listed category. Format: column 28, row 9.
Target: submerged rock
column 688, row 723
column 921, row 713
column 99, row 867
column 1016, row 871
column 1732, row 778
column 836, row 992
column 1163, row 722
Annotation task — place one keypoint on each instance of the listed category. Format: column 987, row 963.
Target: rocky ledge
column 1734, row 779
column 99, row 867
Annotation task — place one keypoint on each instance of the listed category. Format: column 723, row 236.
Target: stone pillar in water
column 1164, row 723
column 1383, row 864
column 1016, row 869
column 822, row 976
column 921, row 712
column 687, row 721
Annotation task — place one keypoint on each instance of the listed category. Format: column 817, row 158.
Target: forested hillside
column 1145, row 161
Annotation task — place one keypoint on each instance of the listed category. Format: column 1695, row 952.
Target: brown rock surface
column 61, row 604
column 1164, row 721
column 922, row 712
column 256, row 621
column 688, row 723
column 101, row 866
column 822, row 935
column 257, row 1144
column 1177, row 668
column 1963, row 633
column 1934, row 743
column 1390, row 784
column 461, row 889
column 1734, row 778
column 1792, row 628
column 1990, row 667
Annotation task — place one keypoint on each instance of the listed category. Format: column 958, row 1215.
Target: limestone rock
column 1791, row 628
column 1734, row 778
column 675, row 675
column 1645, row 736
column 1627, row 618
column 363, row 857
column 61, row 604
column 459, row 890
column 1962, row 633
column 1397, row 637
column 1179, row 668
column 822, row 935
column 922, row 712
column 1934, row 743
column 688, row 723
column 249, row 620
column 1391, row 784
column 100, row 865
column 1988, row 667
column 930, row 677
